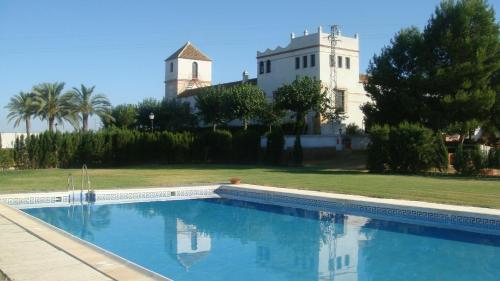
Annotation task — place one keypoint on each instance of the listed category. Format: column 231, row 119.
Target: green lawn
column 442, row 189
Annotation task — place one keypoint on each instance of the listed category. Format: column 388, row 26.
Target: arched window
column 171, row 67
column 195, row 70
column 261, row 67
column 268, row 66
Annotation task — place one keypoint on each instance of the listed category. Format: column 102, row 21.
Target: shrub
column 6, row 158
column 298, row 156
column 216, row 146
column 275, row 147
column 353, row 130
column 441, row 153
column 378, row 150
column 246, row 146
column 469, row 161
column 494, row 158
column 411, row 148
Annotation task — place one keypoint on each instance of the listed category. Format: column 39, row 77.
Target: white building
column 310, row 55
column 8, row 139
column 188, row 69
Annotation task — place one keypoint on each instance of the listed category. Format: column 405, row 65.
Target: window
column 332, row 61
column 348, row 63
column 261, row 67
column 268, row 66
column 339, row 61
column 195, row 70
column 340, row 100
column 171, row 67
column 297, row 63
column 347, row 260
column 339, row 262
column 304, row 61
column 313, row 60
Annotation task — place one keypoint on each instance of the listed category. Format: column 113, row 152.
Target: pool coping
column 94, row 256
column 100, row 260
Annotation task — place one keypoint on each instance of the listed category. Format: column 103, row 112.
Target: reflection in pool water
column 219, row 239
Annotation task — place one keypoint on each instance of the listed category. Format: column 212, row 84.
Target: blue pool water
column 220, row 239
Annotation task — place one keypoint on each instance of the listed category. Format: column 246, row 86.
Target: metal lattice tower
column 334, row 39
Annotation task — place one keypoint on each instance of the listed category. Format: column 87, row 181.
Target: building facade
column 188, row 70
column 311, row 55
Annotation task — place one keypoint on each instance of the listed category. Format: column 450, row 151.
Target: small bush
column 298, row 155
column 246, row 146
column 469, row 161
column 353, row 130
column 378, row 150
column 216, row 146
column 275, row 147
column 441, row 153
column 494, row 158
column 6, row 158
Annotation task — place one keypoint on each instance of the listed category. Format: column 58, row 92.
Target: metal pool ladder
column 71, row 189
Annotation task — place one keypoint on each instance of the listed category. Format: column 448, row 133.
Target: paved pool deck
column 32, row 250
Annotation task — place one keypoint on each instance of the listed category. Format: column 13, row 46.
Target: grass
column 481, row 192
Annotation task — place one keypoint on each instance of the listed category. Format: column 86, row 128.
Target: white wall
column 283, row 71
column 8, row 139
column 177, row 80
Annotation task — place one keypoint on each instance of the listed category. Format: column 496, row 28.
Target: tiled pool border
column 474, row 219
column 440, row 215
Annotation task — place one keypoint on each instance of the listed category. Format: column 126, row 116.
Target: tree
column 124, row 116
column 144, row 108
column 83, row 101
column 176, row 116
column 211, row 107
column 397, row 87
column 51, row 105
column 463, row 54
column 300, row 97
column 441, row 77
column 243, row 102
column 270, row 115
column 21, row 108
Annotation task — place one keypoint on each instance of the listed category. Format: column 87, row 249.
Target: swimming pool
column 226, row 239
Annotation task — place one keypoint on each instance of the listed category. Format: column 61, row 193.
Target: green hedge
column 117, row 147
column 406, row 148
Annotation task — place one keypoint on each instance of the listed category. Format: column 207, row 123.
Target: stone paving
column 33, row 250
column 26, row 257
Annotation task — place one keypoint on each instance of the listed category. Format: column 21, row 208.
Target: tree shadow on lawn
column 317, row 170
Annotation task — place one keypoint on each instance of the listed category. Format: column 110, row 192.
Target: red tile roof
column 188, row 51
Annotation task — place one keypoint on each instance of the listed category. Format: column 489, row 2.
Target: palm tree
column 21, row 108
column 51, row 104
column 83, row 101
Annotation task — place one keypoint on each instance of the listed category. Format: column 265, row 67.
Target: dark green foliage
column 124, row 115
column 407, row 148
column 353, row 130
column 275, row 147
column 411, row 148
column 20, row 153
column 246, row 146
column 300, row 97
column 298, row 155
column 494, row 158
column 210, row 103
column 441, row 153
column 6, row 158
column 443, row 77
column 216, row 146
column 469, row 161
column 378, row 150
column 243, row 102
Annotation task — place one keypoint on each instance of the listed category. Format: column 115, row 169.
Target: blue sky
column 119, row 46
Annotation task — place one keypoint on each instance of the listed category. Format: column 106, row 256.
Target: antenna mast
column 334, row 39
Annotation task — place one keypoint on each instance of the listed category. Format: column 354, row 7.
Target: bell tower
column 188, row 68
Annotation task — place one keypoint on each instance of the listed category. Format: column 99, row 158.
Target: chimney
column 292, row 35
column 320, row 29
column 245, row 77
column 306, row 32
